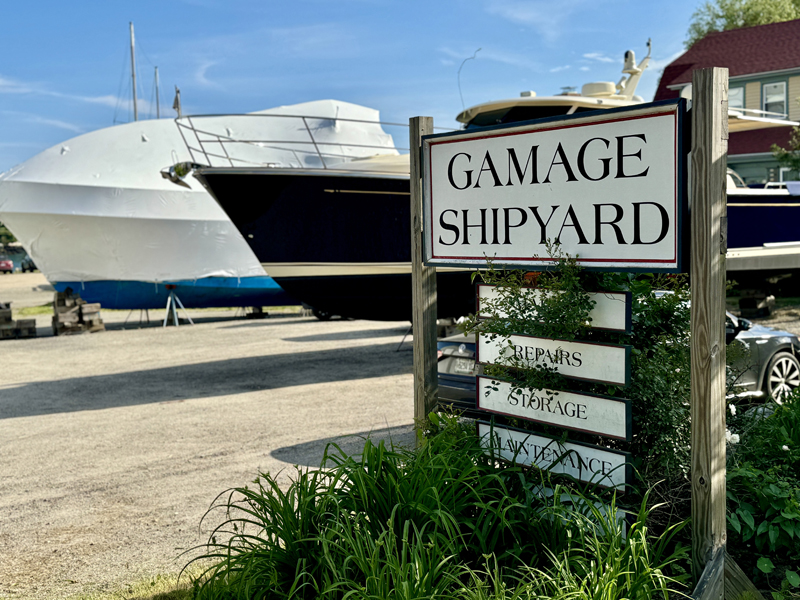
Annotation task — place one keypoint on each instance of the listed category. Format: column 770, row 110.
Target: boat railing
column 288, row 140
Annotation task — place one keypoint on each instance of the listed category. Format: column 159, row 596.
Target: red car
column 6, row 266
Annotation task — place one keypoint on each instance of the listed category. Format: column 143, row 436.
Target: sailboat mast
column 158, row 108
column 133, row 75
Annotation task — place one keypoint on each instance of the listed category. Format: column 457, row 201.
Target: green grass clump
column 398, row 524
column 32, row 311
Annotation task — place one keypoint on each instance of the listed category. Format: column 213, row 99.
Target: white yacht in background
column 96, row 214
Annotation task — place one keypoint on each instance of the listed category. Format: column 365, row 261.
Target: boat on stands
column 336, row 236
column 96, row 215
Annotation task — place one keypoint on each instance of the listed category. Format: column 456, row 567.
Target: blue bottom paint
column 208, row 292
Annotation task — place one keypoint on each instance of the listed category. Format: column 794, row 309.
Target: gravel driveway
column 114, row 444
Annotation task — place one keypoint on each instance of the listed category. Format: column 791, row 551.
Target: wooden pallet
column 26, row 328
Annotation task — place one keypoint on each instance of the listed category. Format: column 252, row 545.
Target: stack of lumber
column 90, row 317
column 10, row 329
column 73, row 315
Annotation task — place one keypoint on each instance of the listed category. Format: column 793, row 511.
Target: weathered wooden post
column 423, row 280
column 708, row 210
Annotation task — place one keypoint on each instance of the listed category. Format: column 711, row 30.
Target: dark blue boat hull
column 758, row 220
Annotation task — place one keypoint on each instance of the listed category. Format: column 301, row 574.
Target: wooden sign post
column 709, row 152
column 632, row 166
column 423, row 281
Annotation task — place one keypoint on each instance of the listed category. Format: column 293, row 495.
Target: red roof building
column 764, row 68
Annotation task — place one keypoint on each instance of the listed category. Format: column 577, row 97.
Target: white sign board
column 610, row 417
column 611, row 311
column 609, row 187
column 602, row 363
column 585, row 463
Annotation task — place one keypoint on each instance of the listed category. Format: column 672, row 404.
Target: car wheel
column 322, row 315
column 782, row 376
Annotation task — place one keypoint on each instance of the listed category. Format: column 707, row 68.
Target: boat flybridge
column 594, row 96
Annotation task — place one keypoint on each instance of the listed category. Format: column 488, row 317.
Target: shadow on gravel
column 241, row 321
column 204, row 380
column 351, row 335
column 309, row 454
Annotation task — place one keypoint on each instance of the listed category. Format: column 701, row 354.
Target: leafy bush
column 763, row 485
column 399, row 524
column 660, row 361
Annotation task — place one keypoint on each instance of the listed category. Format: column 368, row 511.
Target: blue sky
column 65, row 67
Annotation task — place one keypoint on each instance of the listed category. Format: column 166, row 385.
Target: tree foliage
column 6, row 237
column 790, row 156
column 723, row 15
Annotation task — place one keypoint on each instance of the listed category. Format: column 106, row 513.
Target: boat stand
column 142, row 313
column 172, row 303
column 405, row 335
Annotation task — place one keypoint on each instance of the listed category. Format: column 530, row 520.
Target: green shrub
column 763, row 484
column 399, row 524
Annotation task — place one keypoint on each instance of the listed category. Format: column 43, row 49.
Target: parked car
column 6, row 266
column 27, row 265
column 771, row 367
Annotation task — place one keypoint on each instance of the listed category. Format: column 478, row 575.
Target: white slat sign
column 610, row 417
column 609, row 187
column 590, row 361
column 587, row 463
column 611, row 311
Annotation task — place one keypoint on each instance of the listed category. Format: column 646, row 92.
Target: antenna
column 133, row 74
column 158, row 108
column 459, row 74
column 176, row 104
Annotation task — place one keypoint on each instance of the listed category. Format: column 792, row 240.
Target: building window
column 736, row 97
column 775, row 98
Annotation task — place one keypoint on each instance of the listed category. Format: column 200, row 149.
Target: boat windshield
column 514, row 114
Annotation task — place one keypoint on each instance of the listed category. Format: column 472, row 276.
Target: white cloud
column 657, row 64
column 323, row 40
column 19, row 145
column 585, row 69
column 33, row 118
column 201, row 70
column 545, row 16
column 506, row 58
column 12, row 86
column 559, row 69
column 599, row 57
column 54, row 123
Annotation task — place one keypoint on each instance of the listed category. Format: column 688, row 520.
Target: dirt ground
column 114, row 444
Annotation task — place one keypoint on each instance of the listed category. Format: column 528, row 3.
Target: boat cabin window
column 521, row 113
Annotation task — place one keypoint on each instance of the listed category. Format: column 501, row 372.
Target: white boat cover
column 96, row 207
column 309, row 135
